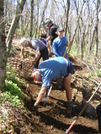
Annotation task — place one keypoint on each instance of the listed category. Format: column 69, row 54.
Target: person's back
column 54, row 68
column 51, row 69
column 52, row 32
column 37, row 44
column 39, row 47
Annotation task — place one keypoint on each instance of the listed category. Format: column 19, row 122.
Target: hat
column 42, row 23
column 47, row 22
column 60, row 29
column 23, row 41
column 35, row 75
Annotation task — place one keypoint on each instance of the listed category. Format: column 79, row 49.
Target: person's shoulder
column 41, row 42
column 32, row 39
column 54, row 26
column 56, row 39
column 41, row 28
column 64, row 37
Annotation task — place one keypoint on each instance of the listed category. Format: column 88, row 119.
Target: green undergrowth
column 12, row 93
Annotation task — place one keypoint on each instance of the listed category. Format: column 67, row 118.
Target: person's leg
column 67, row 83
column 37, row 63
column 49, row 47
column 44, row 54
column 98, row 110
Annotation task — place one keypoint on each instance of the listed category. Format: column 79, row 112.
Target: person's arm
column 22, row 52
column 36, row 56
column 40, row 96
column 49, row 38
column 43, row 32
column 67, row 43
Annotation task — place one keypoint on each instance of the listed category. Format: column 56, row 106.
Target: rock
column 78, row 96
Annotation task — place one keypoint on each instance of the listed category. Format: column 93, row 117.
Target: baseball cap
column 47, row 22
column 23, row 41
column 60, row 29
column 36, row 74
column 42, row 23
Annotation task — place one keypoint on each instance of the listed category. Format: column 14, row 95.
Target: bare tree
column 43, row 12
column 3, row 57
column 96, row 29
column 14, row 24
column 31, row 18
column 67, row 13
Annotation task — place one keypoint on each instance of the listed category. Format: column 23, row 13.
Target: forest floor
column 52, row 118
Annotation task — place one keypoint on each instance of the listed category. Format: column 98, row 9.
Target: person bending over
column 52, row 69
column 39, row 47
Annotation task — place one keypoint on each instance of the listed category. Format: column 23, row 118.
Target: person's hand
column 21, row 55
column 33, row 62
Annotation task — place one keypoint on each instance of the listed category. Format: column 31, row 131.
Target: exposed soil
column 52, row 118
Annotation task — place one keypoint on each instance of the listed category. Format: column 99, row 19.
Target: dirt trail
column 53, row 118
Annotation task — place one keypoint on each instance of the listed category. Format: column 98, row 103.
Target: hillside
column 52, row 118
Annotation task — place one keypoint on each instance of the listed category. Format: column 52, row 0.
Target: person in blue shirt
column 39, row 47
column 59, row 44
column 52, row 69
column 59, row 48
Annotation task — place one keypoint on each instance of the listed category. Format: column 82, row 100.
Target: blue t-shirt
column 52, row 69
column 59, row 46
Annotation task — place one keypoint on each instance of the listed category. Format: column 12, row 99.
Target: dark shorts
column 44, row 55
column 70, row 68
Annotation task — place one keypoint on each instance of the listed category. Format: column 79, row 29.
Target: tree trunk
column 67, row 13
column 96, row 30
column 3, row 57
column 14, row 25
column 31, row 18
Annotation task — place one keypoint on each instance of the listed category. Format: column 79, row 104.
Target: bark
column 78, row 25
column 14, row 25
column 67, row 14
column 31, row 18
column 3, row 57
column 43, row 12
column 96, row 30
column 37, row 19
column 82, row 43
